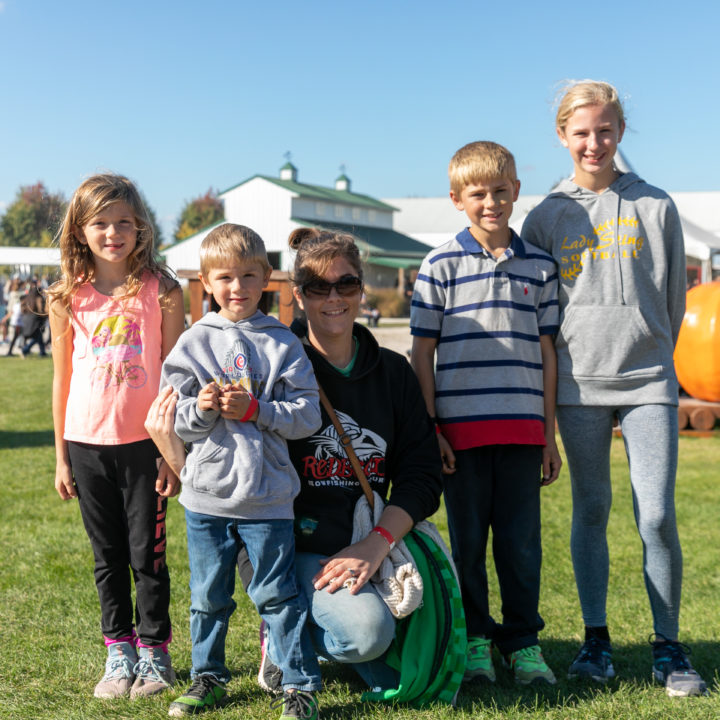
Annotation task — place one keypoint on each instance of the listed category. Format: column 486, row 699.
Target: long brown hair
column 76, row 259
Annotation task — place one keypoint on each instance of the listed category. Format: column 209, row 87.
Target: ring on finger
column 352, row 572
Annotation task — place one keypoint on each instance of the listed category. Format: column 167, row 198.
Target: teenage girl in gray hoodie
column 619, row 248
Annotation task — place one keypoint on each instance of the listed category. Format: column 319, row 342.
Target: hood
column 568, row 188
column 259, row 322
column 368, row 353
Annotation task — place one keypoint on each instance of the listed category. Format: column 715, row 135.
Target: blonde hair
column 77, row 262
column 581, row 93
column 231, row 243
column 479, row 162
column 316, row 249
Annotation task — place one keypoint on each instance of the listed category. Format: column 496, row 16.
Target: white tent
column 26, row 258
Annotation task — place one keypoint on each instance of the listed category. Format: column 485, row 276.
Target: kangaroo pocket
column 229, row 465
column 606, row 341
column 282, row 483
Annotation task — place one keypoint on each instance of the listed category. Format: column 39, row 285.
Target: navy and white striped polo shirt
column 487, row 315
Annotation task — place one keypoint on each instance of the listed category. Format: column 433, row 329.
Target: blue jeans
column 213, row 544
column 355, row 629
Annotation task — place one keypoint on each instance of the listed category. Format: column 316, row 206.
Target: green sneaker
column 529, row 666
column 479, row 659
column 205, row 693
column 297, row 705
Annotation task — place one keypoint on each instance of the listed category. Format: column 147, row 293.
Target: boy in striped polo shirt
column 486, row 303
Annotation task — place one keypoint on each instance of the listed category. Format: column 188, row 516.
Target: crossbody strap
column 346, row 442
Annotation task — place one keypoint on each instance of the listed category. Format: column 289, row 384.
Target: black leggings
column 125, row 520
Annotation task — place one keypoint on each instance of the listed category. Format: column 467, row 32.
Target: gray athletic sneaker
column 594, row 661
column 672, row 668
column 119, row 671
column 153, row 673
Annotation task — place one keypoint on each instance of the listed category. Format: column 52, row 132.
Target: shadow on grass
column 633, row 667
column 633, row 662
column 12, row 439
column 330, row 707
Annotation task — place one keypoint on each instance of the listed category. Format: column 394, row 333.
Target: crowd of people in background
column 23, row 323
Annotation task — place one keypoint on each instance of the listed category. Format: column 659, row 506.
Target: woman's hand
column 160, row 424
column 356, row 562
column 161, row 415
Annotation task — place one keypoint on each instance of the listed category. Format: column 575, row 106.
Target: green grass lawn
column 51, row 651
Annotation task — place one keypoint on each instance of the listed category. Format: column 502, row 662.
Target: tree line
column 33, row 218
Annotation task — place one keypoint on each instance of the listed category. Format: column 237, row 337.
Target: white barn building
column 275, row 206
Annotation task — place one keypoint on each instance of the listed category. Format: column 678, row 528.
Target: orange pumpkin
column 697, row 354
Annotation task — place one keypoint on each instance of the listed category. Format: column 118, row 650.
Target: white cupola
column 342, row 183
column 288, row 172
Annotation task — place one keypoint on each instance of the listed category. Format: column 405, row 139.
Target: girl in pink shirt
column 114, row 316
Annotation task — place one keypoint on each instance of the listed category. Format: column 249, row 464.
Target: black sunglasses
column 347, row 285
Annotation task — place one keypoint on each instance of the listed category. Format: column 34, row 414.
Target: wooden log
column 702, row 418
column 683, row 418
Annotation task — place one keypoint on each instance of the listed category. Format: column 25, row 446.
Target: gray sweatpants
column 650, row 433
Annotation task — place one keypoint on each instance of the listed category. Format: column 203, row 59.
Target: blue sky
column 184, row 96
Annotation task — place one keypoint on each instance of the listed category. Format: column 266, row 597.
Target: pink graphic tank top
column 117, row 345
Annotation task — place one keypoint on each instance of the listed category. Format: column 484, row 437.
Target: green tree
column 198, row 214
column 157, row 230
column 33, row 218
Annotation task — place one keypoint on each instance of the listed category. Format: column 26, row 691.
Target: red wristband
column 389, row 539
column 251, row 409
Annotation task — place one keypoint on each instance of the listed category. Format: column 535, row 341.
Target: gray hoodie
column 621, row 262
column 242, row 469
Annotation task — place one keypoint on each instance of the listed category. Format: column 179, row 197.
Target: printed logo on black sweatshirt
column 330, row 465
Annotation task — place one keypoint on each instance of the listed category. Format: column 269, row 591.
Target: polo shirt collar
column 471, row 245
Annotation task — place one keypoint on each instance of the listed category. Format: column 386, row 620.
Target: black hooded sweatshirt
column 382, row 408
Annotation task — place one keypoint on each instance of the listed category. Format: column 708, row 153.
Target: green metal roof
column 395, row 262
column 377, row 243
column 318, row 192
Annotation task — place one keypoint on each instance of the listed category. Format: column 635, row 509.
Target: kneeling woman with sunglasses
column 377, row 399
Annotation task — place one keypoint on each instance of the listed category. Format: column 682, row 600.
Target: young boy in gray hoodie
column 245, row 387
